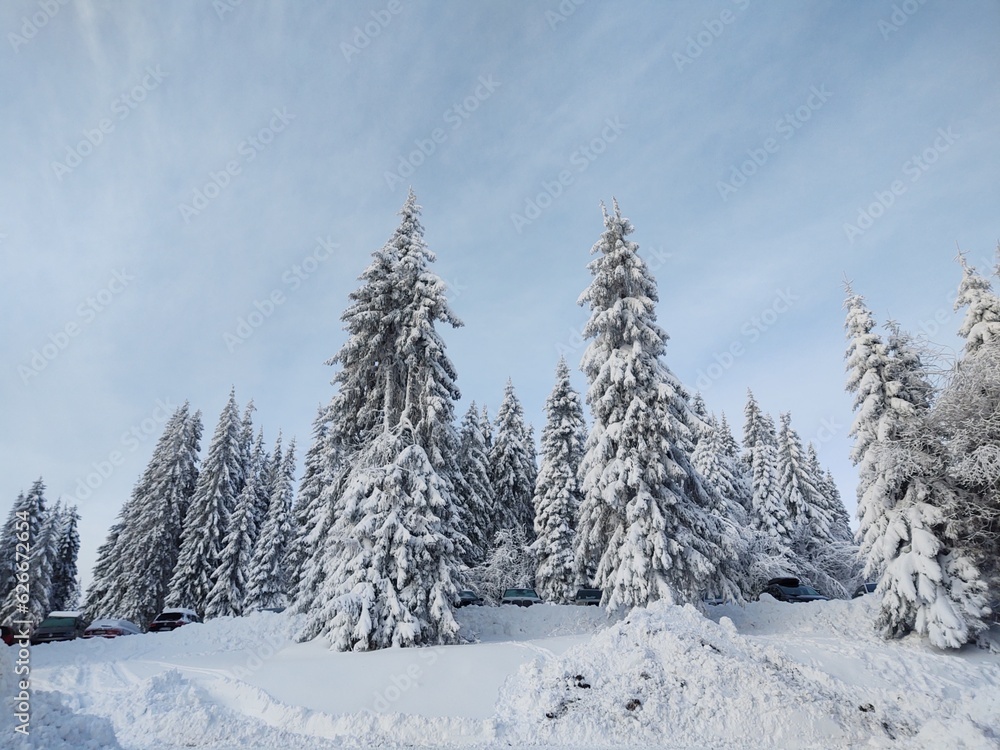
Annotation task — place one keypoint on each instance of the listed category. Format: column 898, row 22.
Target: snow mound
column 51, row 723
column 667, row 672
column 508, row 622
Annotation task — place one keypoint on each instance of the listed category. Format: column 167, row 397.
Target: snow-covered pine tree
column 715, row 459
column 306, row 511
column 355, row 412
column 832, row 506
column 795, row 484
column 928, row 583
column 65, row 584
column 967, row 413
column 135, row 564
column 769, row 511
column 487, row 424
column 476, row 502
column 644, row 520
column 389, row 564
column 207, row 518
column 982, row 319
column 699, row 426
column 557, row 491
column 268, row 583
column 41, row 564
column 233, row 572
column 268, row 468
column 867, row 360
column 13, row 527
column 32, row 510
column 512, row 467
column 104, row 573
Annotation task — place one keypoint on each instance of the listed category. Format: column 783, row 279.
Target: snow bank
column 51, row 724
column 770, row 675
column 668, row 675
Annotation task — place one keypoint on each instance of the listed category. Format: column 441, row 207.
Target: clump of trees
column 929, row 484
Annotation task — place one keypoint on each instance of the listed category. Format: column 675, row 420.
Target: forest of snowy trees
column 39, row 545
column 402, row 503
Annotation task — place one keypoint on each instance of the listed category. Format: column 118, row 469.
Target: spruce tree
column 15, row 530
column 367, row 394
column 557, row 491
column 982, row 318
column 28, row 518
column 770, row 512
column 268, row 584
column 212, row 504
column 512, row 467
column 65, row 584
column 303, row 546
column 388, row 568
column 715, row 459
column 476, row 501
column 232, row 574
column 135, row 565
column 643, row 521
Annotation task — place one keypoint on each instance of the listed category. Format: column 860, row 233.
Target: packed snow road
column 767, row 675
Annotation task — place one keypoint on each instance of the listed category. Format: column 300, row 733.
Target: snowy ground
column 768, row 675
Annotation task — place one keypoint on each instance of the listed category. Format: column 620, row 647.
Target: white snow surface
column 770, row 675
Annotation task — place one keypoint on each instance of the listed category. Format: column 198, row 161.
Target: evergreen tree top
column 622, row 294
column 982, row 319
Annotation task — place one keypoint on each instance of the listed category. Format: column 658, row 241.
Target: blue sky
column 173, row 169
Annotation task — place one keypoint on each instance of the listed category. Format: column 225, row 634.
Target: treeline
column 39, row 546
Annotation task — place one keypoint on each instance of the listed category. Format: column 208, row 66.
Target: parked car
column 864, row 588
column 59, row 626
column 790, row 589
column 469, row 597
column 171, row 619
column 7, row 634
column 111, row 628
column 588, row 597
column 521, row 597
